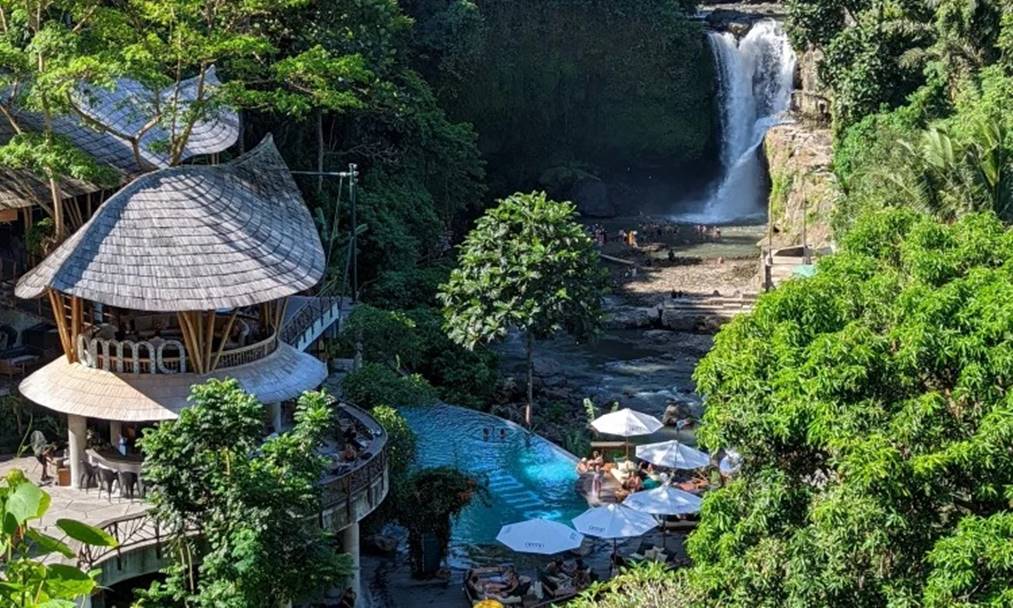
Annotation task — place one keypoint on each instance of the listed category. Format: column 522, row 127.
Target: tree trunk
column 320, row 150
column 531, row 381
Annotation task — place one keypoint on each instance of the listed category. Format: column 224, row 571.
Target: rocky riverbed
column 645, row 358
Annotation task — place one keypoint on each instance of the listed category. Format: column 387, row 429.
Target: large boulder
column 591, row 196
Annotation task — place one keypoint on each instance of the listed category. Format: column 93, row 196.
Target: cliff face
column 803, row 189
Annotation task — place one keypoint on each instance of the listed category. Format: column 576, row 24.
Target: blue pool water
column 527, row 475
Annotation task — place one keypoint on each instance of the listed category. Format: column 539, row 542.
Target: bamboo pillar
column 190, row 339
column 75, row 325
column 225, row 337
column 59, row 315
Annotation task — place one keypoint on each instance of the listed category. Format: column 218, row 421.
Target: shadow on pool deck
column 387, row 581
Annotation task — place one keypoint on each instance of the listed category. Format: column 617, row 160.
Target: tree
column 529, row 266
column 254, row 502
column 31, row 575
column 871, row 404
column 427, row 502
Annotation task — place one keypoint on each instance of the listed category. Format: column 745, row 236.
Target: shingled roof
column 124, row 109
column 191, row 238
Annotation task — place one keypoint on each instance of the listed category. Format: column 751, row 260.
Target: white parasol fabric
column 673, row 455
column 613, row 521
column 539, row 536
column 663, row 500
column 731, row 463
column 626, row 423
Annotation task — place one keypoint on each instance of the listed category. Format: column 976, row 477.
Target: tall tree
column 528, row 266
column 871, row 404
column 255, row 502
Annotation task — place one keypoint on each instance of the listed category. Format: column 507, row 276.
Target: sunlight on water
column 527, row 476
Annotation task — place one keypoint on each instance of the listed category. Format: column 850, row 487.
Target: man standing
column 40, row 447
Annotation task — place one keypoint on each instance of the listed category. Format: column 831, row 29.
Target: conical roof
column 191, row 238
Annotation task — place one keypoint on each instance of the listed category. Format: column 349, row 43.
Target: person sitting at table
column 555, row 567
column 502, row 585
column 581, row 574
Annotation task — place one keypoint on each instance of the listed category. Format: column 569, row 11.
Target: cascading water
column 755, row 82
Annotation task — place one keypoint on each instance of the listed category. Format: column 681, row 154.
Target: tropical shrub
column 377, row 384
column 255, row 501
column 31, row 575
column 428, row 501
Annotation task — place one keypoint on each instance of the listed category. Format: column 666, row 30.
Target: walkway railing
column 346, row 498
column 314, row 316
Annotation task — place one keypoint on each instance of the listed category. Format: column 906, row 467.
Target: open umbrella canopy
column 663, row 500
column 731, row 463
column 539, row 536
column 626, row 423
column 673, row 455
column 613, row 521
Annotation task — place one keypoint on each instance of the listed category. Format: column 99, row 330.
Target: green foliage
column 400, row 440
column 414, row 340
column 949, row 166
column 527, row 265
column 549, row 82
column 406, row 289
column 30, row 573
column 429, row 500
column 255, row 501
column 870, row 405
column 386, row 336
column 644, row 585
column 377, row 384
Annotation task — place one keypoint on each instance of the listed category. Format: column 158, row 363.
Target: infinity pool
column 527, row 475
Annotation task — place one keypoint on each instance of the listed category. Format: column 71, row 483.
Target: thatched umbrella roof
column 73, row 388
column 191, row 238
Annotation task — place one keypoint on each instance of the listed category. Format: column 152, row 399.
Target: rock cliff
column 803, row 189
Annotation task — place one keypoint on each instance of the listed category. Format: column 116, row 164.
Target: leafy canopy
column 871, row 403
column 31, row 572
column 255, row 501
column 527, row 265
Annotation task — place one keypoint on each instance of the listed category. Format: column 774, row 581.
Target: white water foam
column 755, row 77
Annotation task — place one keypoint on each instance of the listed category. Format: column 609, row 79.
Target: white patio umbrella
column 731, row 463
column 626, row 423
column 673, row 454
column 613, row 521
column 539, row 536
column 663, row 500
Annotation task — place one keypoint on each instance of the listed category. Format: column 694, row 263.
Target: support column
column 276, row 416
column 77, row 429
column 350, row 545
column 115, row 432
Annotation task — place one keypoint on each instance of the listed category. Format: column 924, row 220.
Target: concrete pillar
column 276, row 417
column 115, row 432
column 350, row 545
column 77, row 429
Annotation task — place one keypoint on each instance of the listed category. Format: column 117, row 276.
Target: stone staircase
column 702, row 313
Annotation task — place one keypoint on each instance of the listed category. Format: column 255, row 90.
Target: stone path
column 85, row 506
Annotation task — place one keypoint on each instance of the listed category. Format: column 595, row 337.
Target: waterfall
column 755, row 77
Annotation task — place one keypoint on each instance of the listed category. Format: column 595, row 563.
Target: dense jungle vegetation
column 870, row 401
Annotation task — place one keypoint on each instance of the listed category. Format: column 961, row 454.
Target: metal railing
column 364, row 484
column 312, row 310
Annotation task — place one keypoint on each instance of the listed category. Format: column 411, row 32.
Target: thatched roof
column 21, row 188
column 73, row 388
column 191, row 238
column 124, row 110
column 129, row 106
